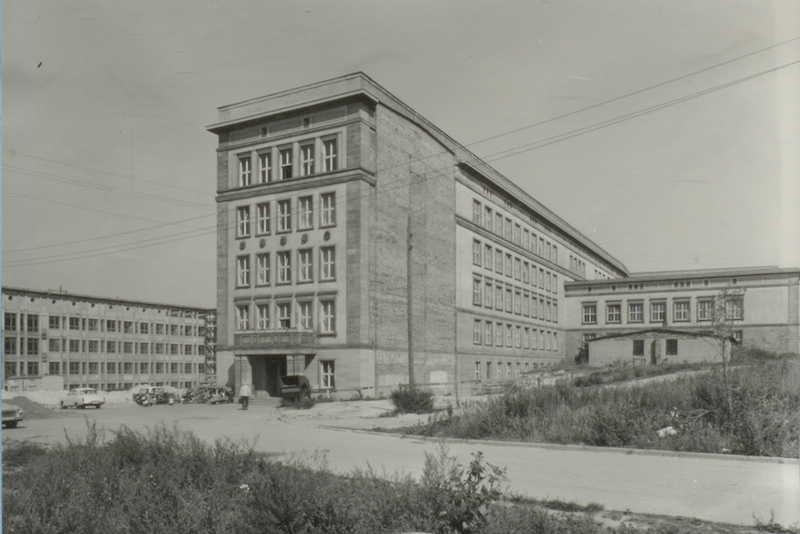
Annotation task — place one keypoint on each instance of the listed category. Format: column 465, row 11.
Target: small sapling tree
column 728, row 309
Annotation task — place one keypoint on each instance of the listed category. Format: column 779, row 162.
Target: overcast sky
column 108, row 173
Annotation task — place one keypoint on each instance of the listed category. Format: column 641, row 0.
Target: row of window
column 31, row 347
column 578, row 266
column 513, row 266
column 514, row 232
column 326, row 206
column 516, row 300
column 286, row 161
column 681, row 311
column 507, row 335
column 499, row 368
column 280, row 315
column 108, row 368
column 283, row 267
column 57, row 322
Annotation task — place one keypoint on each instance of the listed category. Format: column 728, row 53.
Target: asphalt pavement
column 719, row 488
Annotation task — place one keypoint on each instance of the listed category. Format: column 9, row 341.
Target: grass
column 169, row 481
column 764, row 420
column 412, row 399
column 622, row 374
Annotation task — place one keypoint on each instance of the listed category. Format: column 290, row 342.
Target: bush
column 412, row 399
column 300, row 402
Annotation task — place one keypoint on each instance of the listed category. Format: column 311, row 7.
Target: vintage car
column 12, row 414
column 83, row 397
column 149, row 395
column 295, row 386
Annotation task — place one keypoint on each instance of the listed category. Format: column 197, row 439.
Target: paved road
column 710, row 487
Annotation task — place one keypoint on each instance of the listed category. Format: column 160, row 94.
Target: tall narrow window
column 331, row 155
column 306, row 319
column 613, row 313
column 328, row 209
column 284, row 216
column 245, row 171
column 284, row 267
column 305, row 271
column 327, row 263
column 263, row 221
column 476, row 332
column 328, row 316
column 306, row 210
column 487, row 257
column 286, row 163
column 476, row 252
column 265, row 167
column 476, row 292
column 285, row 315
column 262, row 276
column 243, row 317
column 327, row 374
column 658, row 312
column 243, row 271
column 307, row 159
column 243, row 221
column 489, row 333
column 487, row 295
column 487, row 221
column 476, row 212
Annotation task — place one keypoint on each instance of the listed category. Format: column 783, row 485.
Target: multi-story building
column 360, row 245
column 765, row 314
column 105, row 343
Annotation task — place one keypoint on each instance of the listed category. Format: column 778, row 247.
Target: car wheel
column 81, row 406
column 11, row 424
column 97, row 406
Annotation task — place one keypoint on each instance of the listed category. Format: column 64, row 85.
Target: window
column 33, row 368
column 526, row 273
column 526, row 340
column 681, row 310
column 658, row 312
column 54, row 322
column 487, row 294
column 286, row 163
column 33, row 347
column 487, row 221
column 307, row 159
column 498, row 261
column 489, row 333
column 705, row 310
column 306, row 318
column 517, row 268
column 305, row 271
column 476, row 291
column 638, row 347
column 517, row 302
column 94, row 345
column 487, row 257
column 10, row 321
column 284, row 315
column 555, row 254
column 54, row 368
column 477, row 370
column 613, row 315
column 32, row 323
column 525, row 305
column 555, row 311
column 509, row 300
column 498, row 224
column 174, row 368
column 187, row 368
column 187, row 349
column 127, row 368
column 245, row 171
column 284, row 267
column 737, row 336
column 509, row 335
column 326, row 374
column 635, row 312
column 672, row 347
column 518, row 337
column 476, row 212
column 159, row 348
column 330, row 155
column 262, row 269
column 10, row 345
column 509, row 266
column 589, row 314
column 508, row 234
column 328, row 209
column 144, row 367
column 242, row 272
column 159, row 368
column 327, row 263
column 498, row 297
column 541, row 278
column 159, row 329
column 54, row 345
column 476, row 332
column 243, row 221
column 94, row 324
column 554, row 285
column 541, row 246
column 74, row 368
column 306, row 212
column 265, row 167
column 517, row 234
column 242, row 317
column 111, row 368
column 127, row 327
column 733, row 309
column 173, row 348
column 328, row 316
column 144, row 348
column 263, row 218
column 173, row 328
column 75, row 323
column 476, row 253
column 284, row 216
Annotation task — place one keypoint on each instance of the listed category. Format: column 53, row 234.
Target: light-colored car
column 12, row 414
column 83, row 397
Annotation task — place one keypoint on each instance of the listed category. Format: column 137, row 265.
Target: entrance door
column 654, row 352
column 275, row 368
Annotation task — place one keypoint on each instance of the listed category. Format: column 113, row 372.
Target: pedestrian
column 244, row 395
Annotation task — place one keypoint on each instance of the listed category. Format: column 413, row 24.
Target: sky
column 665, row 131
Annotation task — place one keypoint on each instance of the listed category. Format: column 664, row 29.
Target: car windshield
column 90, row 392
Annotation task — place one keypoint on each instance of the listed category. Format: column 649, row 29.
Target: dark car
column 12, row 414
column 295, row 386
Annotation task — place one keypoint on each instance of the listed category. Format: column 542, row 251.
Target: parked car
column 83, row 397
column 293, row 386
column 149, row 395
column 12, row 414
column 212, row 395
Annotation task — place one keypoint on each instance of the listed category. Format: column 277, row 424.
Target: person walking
column 244, row 395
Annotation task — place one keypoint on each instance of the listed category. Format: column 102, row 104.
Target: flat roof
column 691, row 274
column 359, row 85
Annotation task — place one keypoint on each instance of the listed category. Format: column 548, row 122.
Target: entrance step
column 265, row 401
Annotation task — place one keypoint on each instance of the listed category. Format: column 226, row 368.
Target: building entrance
column 268, row 370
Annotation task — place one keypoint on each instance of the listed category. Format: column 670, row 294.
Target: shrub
column 412, row 399
column 300, row 402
